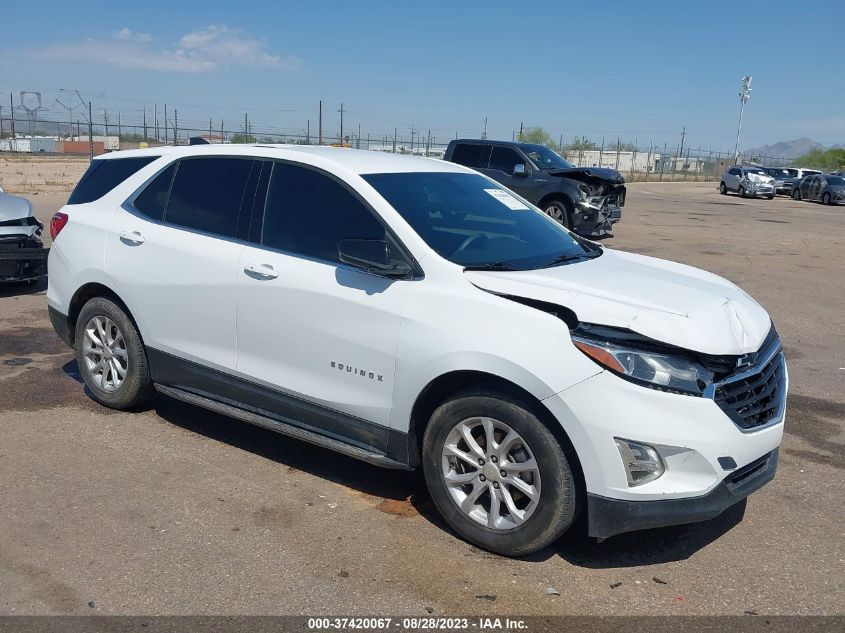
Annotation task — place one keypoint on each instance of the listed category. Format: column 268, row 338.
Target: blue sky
column 639, row 70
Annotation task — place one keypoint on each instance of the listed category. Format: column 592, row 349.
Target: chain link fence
column 56, row 153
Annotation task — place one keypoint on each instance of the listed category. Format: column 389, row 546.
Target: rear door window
column 153, row 199
column 471, row 155
column 207, row 194
column 105, row 174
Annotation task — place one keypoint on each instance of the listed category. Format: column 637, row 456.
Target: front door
column 317, row 338
column 501, row 168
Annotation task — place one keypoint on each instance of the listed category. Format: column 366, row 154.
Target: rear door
column 174, row 249
column 807, row 187
column 316, row 337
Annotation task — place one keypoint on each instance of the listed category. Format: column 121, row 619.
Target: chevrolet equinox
column 411, row 312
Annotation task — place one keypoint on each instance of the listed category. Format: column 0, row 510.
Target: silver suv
column 751, row 182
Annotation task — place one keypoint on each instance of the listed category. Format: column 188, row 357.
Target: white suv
column 411, row 312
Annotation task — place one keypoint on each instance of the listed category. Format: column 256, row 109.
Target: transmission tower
column 30, row 102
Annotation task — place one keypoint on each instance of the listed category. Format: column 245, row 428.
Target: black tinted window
column 308, row 213
column 467, row 155
column 103, row 175
column 152, row 200
column 207, row 194
column 504, row 158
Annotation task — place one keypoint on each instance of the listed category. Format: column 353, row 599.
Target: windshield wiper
column 492, row 266
column 570, row 257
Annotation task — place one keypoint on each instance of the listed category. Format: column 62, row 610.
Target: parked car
column 22, row 254
column 783, row 178
column 588, row 200
column 410, row 312
column 751, row 182
column 820, row 188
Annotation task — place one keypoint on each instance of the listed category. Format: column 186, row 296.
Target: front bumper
column 595, row 222
column 607, row 517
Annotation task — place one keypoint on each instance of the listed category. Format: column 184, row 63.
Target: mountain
column 786, row 149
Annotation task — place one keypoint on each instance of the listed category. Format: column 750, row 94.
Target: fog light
column 642, row 462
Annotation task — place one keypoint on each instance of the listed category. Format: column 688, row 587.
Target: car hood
column 590, row 175
column 14, row 207
column 665, row 301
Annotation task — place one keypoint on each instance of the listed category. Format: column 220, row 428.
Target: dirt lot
column 176, row 510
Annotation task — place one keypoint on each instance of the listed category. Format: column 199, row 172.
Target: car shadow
column 404, row 492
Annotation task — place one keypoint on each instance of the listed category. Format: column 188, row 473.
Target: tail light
column 57, row 223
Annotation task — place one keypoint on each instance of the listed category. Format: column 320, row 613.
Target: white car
column 748, row 182
column 411, row 313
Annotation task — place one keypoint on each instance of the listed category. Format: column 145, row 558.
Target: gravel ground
column 175, row 510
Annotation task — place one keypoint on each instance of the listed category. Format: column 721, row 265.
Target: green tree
column 538, row 136
column 582, row 143
column 240, row 137
column 828, row 160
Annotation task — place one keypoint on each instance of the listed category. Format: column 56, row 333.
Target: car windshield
column 545, row 158
column 836, row 181
column 473, row 222
column 777, row 172
column 759, row 172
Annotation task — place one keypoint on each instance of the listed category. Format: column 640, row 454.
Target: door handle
column 132, row 238
column 261, row 271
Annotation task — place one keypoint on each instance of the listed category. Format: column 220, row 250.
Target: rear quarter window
column 103, row 175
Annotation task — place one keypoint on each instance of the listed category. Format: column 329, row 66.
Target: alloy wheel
column 104, row 353
column 490, row 473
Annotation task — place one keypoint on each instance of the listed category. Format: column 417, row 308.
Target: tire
column 796, row 194
column 723, row 189
column 123, row 382
column 560, row 211
column 826, row 199
column 741, row 191
column 538, row 521
column 770, row 197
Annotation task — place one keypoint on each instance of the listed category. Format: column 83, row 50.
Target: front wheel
column 497, row 475
column 558, row 211
column 772, row 197
column 741, row 191
column 723, row 189
column 111, row 356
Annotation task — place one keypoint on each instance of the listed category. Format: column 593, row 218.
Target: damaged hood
column 14, row 207
column 665, row 301
column 590, row 175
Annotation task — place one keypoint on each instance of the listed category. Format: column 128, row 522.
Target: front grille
column 753, row 398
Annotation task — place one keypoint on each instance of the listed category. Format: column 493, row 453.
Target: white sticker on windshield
column 507, row 199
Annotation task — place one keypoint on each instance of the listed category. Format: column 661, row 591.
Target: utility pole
column 484, row 133
column 341, row 124
column 165, row 124
column 560, row 145
column 744, row 96
column 12, row 110
column 308, row 132
column 222, row 135
column 145, row 123
column 358, row 138
column 90, row 134
column 394, row 139
column 320, row 125
column 413, row 131
column 246, row 127
column 428, row 143
column 683, row 138
column 119, row 129
column 106, row 121
column 175, row 126
column 520, row 131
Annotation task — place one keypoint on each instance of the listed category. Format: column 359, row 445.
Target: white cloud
column 203, row 50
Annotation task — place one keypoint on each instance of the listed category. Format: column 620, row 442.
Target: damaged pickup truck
column 586, row 200
column 22, row 254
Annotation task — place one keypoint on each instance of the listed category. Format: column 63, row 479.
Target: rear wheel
column 497, row 475
column 111, row 356
column 771, row 197
column 826, row 198
column 559, row 211
column 796, row 194
column 723, row 189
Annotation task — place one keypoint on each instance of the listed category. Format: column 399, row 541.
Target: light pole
column 743, row 99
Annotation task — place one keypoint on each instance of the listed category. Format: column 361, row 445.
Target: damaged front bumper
column 594, row 217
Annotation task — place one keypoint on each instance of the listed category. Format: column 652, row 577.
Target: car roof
column 354, row 160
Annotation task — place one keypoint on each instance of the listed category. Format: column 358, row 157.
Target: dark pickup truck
column 587, row 200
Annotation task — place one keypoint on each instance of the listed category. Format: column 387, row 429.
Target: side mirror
column 519, row 170
column 371, row 255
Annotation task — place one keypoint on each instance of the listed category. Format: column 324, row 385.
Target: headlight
column 674, row 373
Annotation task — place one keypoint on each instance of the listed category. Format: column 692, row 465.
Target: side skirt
column 278, row 426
